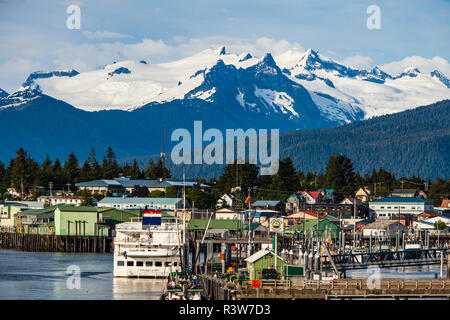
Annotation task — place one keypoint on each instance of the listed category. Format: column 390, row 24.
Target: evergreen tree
column 339, row 175
column 110, row 167
column 47, row 174
column 71, row 168
column 3, row 179
column 85, row 172
column 58, row 174
column 95, row 169
column 158, row 170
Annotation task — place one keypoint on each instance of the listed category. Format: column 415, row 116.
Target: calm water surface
column 43, row 275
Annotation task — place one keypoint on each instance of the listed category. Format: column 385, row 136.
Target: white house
column 228, row 214
column 385, row 208
column 383, row 228
column 56, row 200
column 169, row 204
column 226, row 199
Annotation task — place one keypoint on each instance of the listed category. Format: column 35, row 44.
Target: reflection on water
column 137, row 289
column 43, row 275
column 417, row 272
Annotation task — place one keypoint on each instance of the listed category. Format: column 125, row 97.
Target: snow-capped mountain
column 3, row 93
column 333, row 85
column 133, row 100
column 341, row 93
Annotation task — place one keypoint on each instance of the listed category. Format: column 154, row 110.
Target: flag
column 151, row 217
column 248, row 199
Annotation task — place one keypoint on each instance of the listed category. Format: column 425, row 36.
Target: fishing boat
column 413, row 245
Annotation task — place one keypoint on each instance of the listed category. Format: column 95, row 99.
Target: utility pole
column 21, row 187
column 354, row 223
column 50, row 186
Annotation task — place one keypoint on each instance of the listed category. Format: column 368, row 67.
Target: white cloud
column 359, row 62
column 89, row 56
column 101, row 35
column 16, row 70
column 423, row 64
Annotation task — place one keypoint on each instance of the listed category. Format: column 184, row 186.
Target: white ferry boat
column 140, row 251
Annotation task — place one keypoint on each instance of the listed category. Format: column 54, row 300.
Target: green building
column 39, row 221
column 326, row 227
column 264, row 259
column 81, row 221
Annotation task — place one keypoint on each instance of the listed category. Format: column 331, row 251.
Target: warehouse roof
column 400, row 200
column 146, row 201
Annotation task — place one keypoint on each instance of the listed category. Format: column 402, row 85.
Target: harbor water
column 45, row 276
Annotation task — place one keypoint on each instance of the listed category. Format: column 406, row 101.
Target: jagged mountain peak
column 441, row 77
column 222, row 51
column 48, row 74
column 3, row 93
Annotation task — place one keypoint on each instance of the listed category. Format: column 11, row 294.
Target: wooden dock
column 53, row 243
column 346, row 289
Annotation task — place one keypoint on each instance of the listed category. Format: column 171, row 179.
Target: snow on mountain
column 440, row 77
column 374, row 91
column 128, row 85
column 3, row 93
column 278, row 101
column 341, row 93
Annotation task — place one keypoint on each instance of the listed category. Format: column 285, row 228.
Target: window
column 139, row 263
column 158, row 264
column 174, row 263
column 120, row 263
column 148, row 263
column 130, row 263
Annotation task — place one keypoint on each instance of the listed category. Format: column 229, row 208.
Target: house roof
column 380, row 224
column 263, row 203
column 313, row 194
column 99, row 183
column 67, row 208
column 312, row 223
column 129, row 183
column 189, row 184
column 299, row 214
column 145, row 201
column 400, row 199
column 445, row 203
column 258, row 255
column 45, row 213
column 428, row 214
column 200, row 224
column 404, row 191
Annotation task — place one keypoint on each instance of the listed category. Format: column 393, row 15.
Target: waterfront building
column 167, row 204
column 264, row 259
column 81, row 221
column 385, row 208
column 384, row 229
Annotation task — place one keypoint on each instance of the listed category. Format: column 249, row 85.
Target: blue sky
column 34, row 35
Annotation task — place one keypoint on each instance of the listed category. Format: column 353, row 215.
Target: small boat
column 413, row 245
